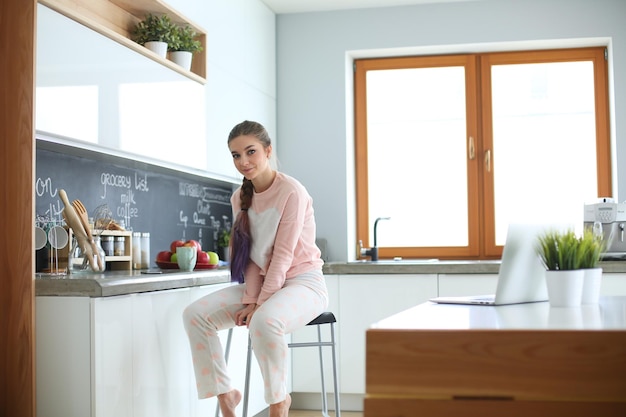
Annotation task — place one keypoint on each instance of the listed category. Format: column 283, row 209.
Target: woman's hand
column 243, row 316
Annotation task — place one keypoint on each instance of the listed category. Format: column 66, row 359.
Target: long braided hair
column 241, row 240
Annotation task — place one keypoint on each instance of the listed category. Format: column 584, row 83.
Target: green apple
column 174, row 258
column 214, row 258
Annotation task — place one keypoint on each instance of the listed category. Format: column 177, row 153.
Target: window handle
column 471, row 149
column 488, row 160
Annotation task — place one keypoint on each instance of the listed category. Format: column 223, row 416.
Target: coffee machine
column 607, row 219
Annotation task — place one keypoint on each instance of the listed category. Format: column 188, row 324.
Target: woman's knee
column 264, row 322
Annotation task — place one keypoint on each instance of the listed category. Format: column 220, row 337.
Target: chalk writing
column 166, row 205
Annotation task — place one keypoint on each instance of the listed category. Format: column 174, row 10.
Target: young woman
column 274, row 256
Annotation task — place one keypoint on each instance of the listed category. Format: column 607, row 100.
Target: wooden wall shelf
column 116, row 20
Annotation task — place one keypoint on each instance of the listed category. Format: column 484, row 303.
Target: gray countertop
column 113, row 283
column 433, row 266
column 125, row 282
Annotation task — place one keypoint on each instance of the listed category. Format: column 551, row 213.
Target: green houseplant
column 184, row 39
column 569, row 259
column 223, row 245
column 183, row 45
column 590, row 250
column 155, row 32
column 559, row 250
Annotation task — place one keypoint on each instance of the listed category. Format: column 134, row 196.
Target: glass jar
column 145, row 250
column 79, row 263
column 136, row 250
column 107, row 245
column 120, row 246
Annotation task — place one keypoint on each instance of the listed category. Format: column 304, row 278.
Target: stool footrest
column 310, row 344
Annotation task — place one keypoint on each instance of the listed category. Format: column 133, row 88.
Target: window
column 454, row 148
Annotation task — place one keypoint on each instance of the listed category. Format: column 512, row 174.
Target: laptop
column 521, row 278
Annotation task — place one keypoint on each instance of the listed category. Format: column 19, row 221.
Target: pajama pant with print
column 301, row 299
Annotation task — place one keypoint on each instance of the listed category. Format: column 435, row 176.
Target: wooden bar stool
column 322, row 319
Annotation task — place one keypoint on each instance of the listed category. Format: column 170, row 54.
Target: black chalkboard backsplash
column 168, row 205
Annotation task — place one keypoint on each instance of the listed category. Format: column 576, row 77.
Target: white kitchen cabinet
column 84, row 356
column 112, row 356
column 122, row 356
column 453, row 285
column 478, row 284
column 63, row 356
column 364, row 300
column 613, row 284
column 160, row 372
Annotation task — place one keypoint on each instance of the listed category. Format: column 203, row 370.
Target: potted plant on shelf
column 155, row 33
column 223, row 245
column 559, row 252
column 183, row 45
column 590, row 250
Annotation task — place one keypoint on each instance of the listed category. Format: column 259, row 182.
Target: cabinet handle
column 471, row 149
column 488, row 160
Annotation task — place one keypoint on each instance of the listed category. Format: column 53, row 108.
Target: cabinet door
column 305, row 370
column 63, row 356
column 613, row 284
column 160, row 370
column 453, row 285
column 112, row 356
column 364, row 300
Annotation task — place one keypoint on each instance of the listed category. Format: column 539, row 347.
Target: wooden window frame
column 481, row 211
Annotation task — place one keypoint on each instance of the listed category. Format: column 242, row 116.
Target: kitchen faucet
column 373, row 251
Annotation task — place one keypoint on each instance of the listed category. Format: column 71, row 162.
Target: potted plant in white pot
column 590, row 251
column 559, row 252
column 155, row 33
column 183, row 45
column 223, row 245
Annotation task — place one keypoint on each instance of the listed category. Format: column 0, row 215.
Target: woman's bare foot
column 228, row 402
column 281, row 409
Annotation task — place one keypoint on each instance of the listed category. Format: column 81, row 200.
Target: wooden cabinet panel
column 410, row 407
column 502, row 365
column 116, row 20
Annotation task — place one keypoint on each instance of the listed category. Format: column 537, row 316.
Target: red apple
column 164, row 256
column 194, row 243
column 175, row 244
column 203, row 258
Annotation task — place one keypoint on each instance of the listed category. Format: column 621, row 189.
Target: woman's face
column 249, row 156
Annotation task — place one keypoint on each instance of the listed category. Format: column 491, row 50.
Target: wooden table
column 519, row 360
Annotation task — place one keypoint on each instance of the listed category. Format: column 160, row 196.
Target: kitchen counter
column 113, row 283
column 517, row 360
column 434, row 266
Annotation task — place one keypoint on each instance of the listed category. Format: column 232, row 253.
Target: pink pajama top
column 282, row 227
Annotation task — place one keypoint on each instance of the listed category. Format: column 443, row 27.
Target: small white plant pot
column 159, row 48
column 591, row 285
column 181, row 58
column 565, row 288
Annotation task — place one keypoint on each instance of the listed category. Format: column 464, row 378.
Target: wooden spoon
column 82, row 215
column 74, row 222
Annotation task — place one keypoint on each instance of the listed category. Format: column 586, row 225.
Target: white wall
column 314, row 78
column 241, row 69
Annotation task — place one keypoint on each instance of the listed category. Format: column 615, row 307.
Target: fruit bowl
column 174, row 265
